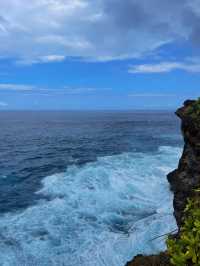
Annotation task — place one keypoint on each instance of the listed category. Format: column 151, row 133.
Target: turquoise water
column 108, row 201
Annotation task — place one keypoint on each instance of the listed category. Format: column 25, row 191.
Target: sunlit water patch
column 102, row 214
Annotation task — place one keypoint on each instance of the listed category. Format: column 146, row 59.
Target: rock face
column 157, row 260
column 186, row 178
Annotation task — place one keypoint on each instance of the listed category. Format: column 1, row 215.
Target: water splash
column 102, row 214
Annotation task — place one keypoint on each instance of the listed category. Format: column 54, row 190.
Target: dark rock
column 159, row 260
column 185, row 179
column 189, row 102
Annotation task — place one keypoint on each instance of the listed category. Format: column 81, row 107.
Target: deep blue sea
column 85, row 188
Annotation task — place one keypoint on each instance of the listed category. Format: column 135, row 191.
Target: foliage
column 186, row 249
column 194, row 109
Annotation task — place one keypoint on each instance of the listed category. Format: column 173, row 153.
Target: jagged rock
column 186, row 178
column 159, row 260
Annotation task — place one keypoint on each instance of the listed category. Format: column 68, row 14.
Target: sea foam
column 102, row 214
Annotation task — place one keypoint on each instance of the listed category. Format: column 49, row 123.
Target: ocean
column 85, row 188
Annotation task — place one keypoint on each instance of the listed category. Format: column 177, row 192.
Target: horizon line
column 86, row 110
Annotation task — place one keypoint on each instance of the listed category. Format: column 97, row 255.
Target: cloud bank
column 50, row 30
column 165, row 67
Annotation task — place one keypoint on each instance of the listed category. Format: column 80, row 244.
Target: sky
column 98, row 54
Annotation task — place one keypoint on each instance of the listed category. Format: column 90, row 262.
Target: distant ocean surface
column 85, row 188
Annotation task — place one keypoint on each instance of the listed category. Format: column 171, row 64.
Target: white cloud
column 69, row 90
column 151, row 95
column 52, row 58
column 3, row 104
column 84, row 90
column 41, row 31
column 165, row 67
column 42, row 60
column 16, row 87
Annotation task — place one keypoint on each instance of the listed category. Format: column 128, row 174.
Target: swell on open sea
column 85, row 188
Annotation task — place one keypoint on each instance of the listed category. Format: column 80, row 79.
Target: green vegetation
column 194, row 109
column 185, row 250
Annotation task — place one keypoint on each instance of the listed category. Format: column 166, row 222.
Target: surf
column 101, row 213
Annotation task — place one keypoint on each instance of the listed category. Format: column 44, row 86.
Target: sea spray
column 102, row 213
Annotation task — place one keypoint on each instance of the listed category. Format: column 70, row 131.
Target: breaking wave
column 102, row 213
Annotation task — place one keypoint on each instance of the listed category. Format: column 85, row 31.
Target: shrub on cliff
column 194, row 109
column 186, row 249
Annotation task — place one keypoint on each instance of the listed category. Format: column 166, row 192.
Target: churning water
column 85, row 188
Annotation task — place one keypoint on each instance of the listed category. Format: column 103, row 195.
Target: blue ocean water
column 85, row 188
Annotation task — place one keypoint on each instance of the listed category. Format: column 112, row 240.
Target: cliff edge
column 186, row 178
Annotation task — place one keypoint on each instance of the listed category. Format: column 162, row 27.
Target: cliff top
column 190, row 112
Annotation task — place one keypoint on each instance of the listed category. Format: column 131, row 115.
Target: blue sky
column 103, row 54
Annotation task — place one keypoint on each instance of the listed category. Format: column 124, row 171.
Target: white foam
column 101, row 214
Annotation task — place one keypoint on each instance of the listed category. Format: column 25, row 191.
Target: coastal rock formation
column 186, row 178
column 157, row 260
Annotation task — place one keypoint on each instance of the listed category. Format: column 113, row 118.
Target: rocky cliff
column 186, row 178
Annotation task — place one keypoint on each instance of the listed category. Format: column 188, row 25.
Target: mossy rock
column 193, row 109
